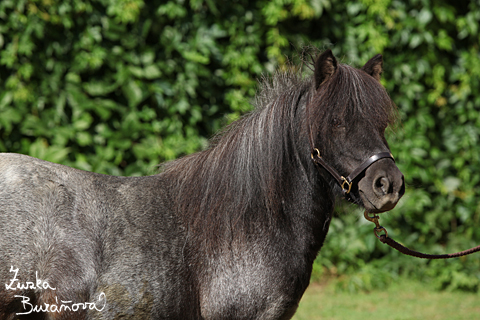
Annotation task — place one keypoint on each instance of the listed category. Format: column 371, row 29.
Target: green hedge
column 118, row 86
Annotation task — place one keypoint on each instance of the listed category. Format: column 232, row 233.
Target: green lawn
column 404, row 300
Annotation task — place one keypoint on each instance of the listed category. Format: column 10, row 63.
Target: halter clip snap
column 378, row 228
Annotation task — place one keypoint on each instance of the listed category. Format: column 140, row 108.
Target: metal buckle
column 349, row 184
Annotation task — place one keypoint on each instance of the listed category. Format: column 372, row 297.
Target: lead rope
column 384, row 238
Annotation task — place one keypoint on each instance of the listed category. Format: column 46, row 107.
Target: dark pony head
column 348, row 118
column 257, row 176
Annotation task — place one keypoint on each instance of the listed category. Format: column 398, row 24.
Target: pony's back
column 72, row 240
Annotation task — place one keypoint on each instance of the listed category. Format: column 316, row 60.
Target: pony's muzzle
column 382, row 186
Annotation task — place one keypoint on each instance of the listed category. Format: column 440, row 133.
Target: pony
column 230, row 232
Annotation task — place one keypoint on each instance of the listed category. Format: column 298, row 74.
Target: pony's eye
column 336, row 122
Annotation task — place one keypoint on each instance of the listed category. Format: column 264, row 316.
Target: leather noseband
column 346, row 183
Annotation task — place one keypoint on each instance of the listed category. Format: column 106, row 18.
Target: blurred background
column 119, row 86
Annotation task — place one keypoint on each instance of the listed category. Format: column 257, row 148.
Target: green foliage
column 432, row 69
column 118, row 86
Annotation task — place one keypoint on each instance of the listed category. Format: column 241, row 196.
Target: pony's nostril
column 402, row 188
column 382, row 186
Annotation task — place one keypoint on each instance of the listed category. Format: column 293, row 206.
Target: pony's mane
column 246, row 174
column 247, row 164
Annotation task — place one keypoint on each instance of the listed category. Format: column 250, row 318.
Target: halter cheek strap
column 346, row 183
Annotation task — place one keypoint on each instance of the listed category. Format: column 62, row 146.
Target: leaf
column 450, row 184
column 133, row 93
column 152, row 72
column 424, row 16
column 196, row 57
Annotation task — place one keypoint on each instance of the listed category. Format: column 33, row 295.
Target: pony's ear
column 374, row 67
column 325, row 67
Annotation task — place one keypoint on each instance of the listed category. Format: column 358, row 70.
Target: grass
column 403, row 300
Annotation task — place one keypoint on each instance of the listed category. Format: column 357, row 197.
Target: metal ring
column 379, row 229
column 318, row 153
column 348, row 183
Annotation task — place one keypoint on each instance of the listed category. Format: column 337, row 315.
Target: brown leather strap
column 384, row 238
column 368, row 163
column 317, row 159
column 397, row 246
column 346, row 183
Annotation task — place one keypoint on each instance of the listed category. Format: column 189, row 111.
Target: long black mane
column 247, row 173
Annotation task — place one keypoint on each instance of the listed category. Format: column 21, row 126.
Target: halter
column 346, row 186
column 346, row 183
